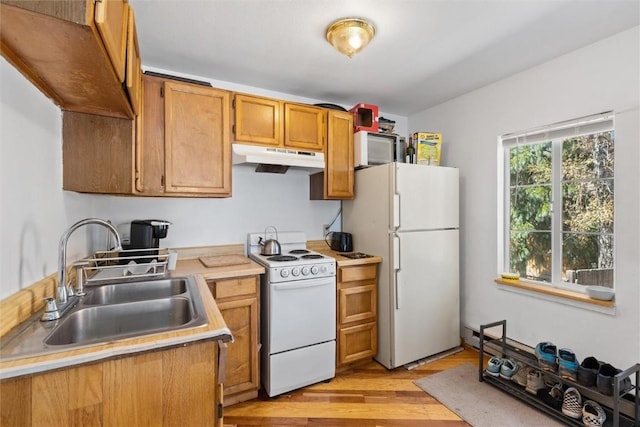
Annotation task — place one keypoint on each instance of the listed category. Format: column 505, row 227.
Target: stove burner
column 311, row 256
column 282, row 258
column 299, row 251
column 355, row 255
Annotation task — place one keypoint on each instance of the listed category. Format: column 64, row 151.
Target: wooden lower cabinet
column 239, row 303
column 178, row 386
column 357, row 326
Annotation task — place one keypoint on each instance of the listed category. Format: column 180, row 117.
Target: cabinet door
column 241, row 317
column 257, row 120
column 357, row 303
column 197, row 143
column 357, row 342
column 150, row 139
column 97, row 153
column 304, row 127
column 133, row 78
column 339, row 174
column 112, row 22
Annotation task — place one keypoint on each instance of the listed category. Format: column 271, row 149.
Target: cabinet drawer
column 225, row 288
column 355, row 273
column 357, row 303
column 357, row 342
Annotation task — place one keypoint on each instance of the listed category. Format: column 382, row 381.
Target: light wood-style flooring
column 367, row 396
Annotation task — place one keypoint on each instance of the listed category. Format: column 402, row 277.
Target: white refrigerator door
column 426, row 197
column 427, row 296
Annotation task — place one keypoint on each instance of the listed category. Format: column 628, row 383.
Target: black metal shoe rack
column 622, row 409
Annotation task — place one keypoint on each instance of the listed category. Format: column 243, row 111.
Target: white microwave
column 372, row 149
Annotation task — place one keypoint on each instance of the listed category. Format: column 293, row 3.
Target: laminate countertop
column 216, row 329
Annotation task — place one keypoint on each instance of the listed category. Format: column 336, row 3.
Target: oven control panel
column 302, row 272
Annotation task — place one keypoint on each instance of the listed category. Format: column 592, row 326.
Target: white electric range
column 298, row 313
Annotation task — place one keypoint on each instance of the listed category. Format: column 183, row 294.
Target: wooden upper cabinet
column 133, row 74
column 274, row 123
column 304, row 127
column 74, row 59
column 257, row 120
column 337, row 179
column 339, row 174
column 197, row 142
column 178, row 146
column 112, row 21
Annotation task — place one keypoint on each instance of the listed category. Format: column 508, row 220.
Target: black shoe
column 588, row 371
column 553, row 397
column 604, row 380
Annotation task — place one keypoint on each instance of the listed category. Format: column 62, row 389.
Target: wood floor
column 368, row 396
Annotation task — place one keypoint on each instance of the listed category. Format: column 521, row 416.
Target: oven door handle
column 291, row 286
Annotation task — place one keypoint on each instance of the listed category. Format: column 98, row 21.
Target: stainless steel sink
column 109, row 322
column 111, row 312
column 135, row 291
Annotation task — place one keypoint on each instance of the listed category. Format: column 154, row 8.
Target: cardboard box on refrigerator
column 428, row 146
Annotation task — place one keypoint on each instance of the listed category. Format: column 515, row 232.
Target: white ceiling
column 425, row 51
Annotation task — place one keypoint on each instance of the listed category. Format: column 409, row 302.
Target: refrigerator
column 408, row 215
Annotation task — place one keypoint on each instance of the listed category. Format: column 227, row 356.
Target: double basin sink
column 110, row 312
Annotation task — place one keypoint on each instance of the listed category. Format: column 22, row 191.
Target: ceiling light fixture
column 350, row 35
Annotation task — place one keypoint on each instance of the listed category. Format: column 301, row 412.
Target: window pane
column 588, row 206
column 531, row 208
column 588, row 157
column 530, row 164
column 587, row 259
column 530, row 255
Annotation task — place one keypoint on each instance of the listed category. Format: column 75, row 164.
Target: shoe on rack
column 508, row 369
column 572, row 403
column 567, row 364
column 534, row 381
column 520, row 377
column 592, row 414
column 553, row 397
column 494, row 365
column 604, row 380
column 546, row 355
column 588, row 371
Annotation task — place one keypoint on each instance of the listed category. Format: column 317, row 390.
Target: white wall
column 35, row 211
column 600, row 77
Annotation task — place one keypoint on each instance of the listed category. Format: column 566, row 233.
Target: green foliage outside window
column 586, row 206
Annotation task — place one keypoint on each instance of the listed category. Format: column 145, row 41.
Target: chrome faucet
column 62, row 254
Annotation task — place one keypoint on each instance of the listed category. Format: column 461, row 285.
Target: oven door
column 301, row 313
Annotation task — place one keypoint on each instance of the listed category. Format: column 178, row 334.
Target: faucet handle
column 50, row 310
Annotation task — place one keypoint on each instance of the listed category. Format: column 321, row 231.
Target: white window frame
column 583, row 126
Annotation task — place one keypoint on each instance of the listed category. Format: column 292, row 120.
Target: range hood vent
column 255, row 154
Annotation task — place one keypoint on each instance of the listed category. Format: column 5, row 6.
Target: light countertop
column 216, row 329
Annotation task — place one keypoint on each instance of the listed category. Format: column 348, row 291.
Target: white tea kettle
column 270, row 246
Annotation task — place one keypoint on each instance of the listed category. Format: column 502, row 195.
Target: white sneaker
column 534, row 381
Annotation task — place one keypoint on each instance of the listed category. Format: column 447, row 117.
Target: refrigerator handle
column 396, row 211
column 396, row 266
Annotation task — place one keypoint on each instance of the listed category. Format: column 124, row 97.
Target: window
column 558, row 203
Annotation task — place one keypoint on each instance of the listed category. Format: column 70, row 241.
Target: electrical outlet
column 325, row 229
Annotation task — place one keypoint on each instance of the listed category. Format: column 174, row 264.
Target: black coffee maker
column 146, row 234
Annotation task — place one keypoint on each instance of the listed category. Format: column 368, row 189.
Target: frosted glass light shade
column 350, row 35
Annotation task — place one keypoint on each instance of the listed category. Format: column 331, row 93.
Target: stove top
column 295, row 261
column 355, row 255
column 291, row 257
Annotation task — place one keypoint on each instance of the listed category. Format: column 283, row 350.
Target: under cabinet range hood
column 255, row 154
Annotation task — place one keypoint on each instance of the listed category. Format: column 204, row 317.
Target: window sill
column 556, row 292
